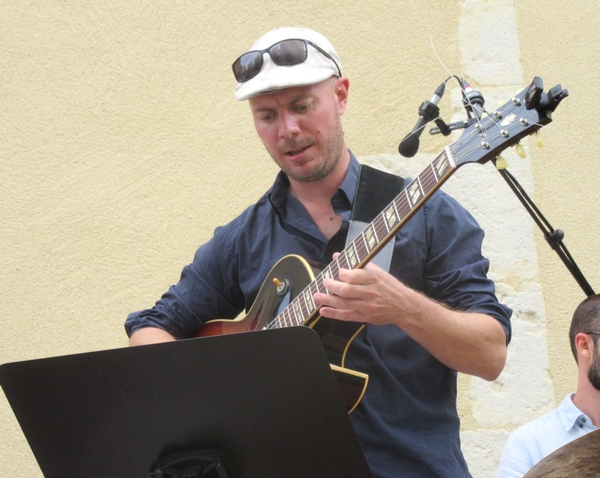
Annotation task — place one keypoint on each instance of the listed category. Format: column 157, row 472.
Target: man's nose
column 288, row 125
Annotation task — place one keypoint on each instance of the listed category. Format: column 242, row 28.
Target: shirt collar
column 278, row 192
column 570, row 415
column 348, row 186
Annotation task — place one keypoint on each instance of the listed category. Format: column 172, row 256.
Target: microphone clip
column 429, row 111
column 446, row 129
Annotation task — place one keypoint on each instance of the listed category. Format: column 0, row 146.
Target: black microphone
column 428, row 111
column 472, row 100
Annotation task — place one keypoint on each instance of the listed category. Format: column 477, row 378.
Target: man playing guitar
column 432, row 315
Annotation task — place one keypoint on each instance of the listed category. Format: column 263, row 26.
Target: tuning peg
column 501, row 163
column 521, row 150
column 539, row 140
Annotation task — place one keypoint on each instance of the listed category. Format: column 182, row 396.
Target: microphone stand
column 554, row 237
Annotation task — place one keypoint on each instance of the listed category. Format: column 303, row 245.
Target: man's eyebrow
column 293, row 101
column 262, row 109
column 302, row 97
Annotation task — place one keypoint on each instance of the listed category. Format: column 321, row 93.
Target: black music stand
column 267, row 400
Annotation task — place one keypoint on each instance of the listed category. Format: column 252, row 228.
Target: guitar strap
column 374, row 192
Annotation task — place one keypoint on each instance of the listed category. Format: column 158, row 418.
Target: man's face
column 594, row 370
column 301, row 127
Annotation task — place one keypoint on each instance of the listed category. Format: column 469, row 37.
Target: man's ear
column 584, row 345
column 340, row 91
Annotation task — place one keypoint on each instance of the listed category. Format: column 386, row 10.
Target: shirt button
column 583, row 419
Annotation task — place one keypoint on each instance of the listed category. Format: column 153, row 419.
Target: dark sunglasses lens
column 247, row 66
column 288, row 52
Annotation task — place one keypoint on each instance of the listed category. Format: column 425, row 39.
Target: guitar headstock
column 523, row 115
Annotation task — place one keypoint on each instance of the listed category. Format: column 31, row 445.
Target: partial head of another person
column 584, row 337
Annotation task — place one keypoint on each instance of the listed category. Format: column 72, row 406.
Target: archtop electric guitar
column 285, row 298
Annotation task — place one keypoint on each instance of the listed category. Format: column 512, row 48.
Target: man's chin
column 306, row 174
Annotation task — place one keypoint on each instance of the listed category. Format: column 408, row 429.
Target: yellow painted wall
column 560, row 42
column 122, row 148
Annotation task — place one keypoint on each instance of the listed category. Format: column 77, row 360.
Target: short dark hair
column 585, row 318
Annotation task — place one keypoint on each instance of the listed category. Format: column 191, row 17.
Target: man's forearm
column 150, row 335
column 467, row 342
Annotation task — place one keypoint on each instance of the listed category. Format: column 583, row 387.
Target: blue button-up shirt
column 407, row 421
column 535, row 440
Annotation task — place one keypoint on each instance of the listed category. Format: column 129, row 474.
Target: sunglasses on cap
column 284, row 53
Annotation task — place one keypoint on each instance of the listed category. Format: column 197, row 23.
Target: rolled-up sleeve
column 206, row 290
column 442, row 243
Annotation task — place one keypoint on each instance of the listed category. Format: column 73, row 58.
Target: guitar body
column 294, row 274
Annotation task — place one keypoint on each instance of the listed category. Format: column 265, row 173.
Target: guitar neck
column 373, row 238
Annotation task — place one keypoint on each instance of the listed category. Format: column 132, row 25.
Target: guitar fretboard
column 372, row 239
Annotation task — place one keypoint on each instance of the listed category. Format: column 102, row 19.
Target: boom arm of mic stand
column 554, row 237
column 446, row 129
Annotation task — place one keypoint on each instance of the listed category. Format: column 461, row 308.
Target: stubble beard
column 594, row 370
column 333, row 151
